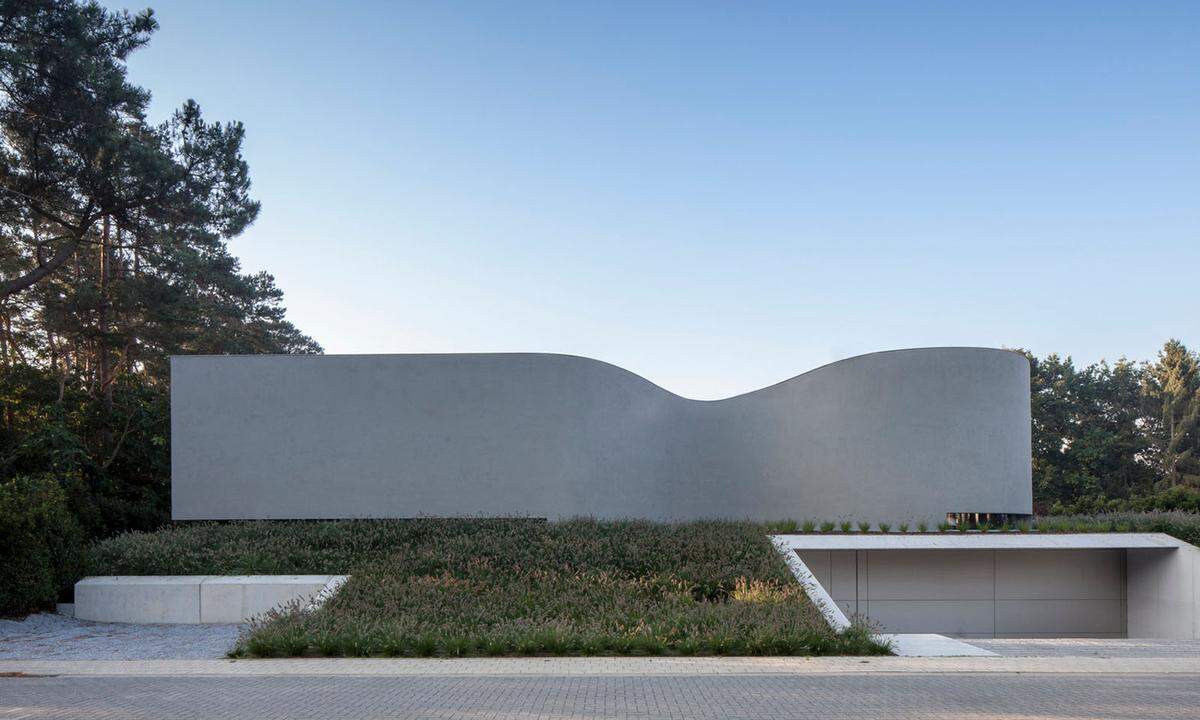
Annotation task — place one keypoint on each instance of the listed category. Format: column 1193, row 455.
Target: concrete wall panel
column 929, row 575
column 237, row 598
column 975, row 618
column 1164, row 593
column 1060, row 617
column 843, row 571
column 195, row 598
column 909, row 434
column 1060, row 574
column 818, row 563
column 128, row 599
column 986, row 593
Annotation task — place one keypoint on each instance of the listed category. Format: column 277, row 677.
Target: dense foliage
column 1122, row 436
column 113, row 256
column 495, row 587
column 42, row 544
column 1176, row 523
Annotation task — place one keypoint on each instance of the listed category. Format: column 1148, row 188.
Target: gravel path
column 56, row 637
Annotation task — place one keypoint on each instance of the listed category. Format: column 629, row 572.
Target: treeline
column 113, row 256
column 1116, row 437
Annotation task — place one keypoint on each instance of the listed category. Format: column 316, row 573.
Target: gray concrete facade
column 1164, row 593
column 1003, row 584
column 980, row 593
column 906, row 434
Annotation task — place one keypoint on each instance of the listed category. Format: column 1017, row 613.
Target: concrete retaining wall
column 195, row 598
column 908, row 434
column 1164, row 593
column 980, row 593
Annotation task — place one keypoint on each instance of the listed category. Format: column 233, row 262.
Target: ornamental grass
column 468, row 587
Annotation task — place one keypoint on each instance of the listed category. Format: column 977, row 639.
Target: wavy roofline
column 620, row 369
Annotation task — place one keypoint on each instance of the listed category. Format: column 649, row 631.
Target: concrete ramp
column 931, row 645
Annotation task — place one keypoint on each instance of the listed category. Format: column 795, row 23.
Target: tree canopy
column 113, row 256
column 1105, row 435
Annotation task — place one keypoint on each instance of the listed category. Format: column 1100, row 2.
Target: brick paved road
column 883, row 696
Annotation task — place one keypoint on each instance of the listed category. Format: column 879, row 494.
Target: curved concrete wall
column 907, row 434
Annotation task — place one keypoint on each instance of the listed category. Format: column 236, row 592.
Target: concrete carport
column 1006, row 585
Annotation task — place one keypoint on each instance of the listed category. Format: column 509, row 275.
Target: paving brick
column 899, row 695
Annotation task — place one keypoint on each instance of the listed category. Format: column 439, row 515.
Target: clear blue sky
column 716, row 196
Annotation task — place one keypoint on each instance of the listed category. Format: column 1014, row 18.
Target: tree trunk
column 103, row 360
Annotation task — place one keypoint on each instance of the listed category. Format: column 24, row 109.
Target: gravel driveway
column 57, row 637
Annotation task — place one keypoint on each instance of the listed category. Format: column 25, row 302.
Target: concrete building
column 891, row 436
column 1005, row 585
column 908, row 435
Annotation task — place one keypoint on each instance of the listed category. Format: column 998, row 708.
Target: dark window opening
column 993, row 521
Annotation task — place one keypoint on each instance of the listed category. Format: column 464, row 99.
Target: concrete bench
column 196, row 598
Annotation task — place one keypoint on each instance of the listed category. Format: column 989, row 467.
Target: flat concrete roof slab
column 979, row 541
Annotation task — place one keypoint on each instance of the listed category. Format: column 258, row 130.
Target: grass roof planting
column 507, row 587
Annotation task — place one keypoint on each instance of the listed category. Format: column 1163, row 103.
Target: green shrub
column 1185, row 499
column 41, row 545
column 885, row 527
column 808, row 526
column 783, row 527
column 845, row 526
column 922, row 526
column 1176, row 523
column 827, row 526
column 1179, row 498
column 864, row 526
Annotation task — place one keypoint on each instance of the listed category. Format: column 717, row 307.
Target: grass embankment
column 507, row 587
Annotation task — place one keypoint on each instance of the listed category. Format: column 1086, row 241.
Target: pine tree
column 1173, row 391
column 113, row 256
